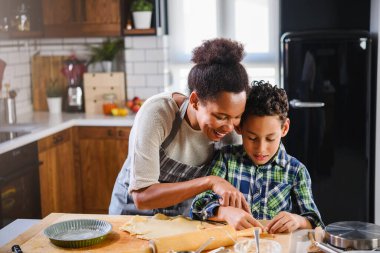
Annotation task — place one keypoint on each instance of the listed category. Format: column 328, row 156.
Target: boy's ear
column 238, row 129
column 285, row 127
column 194, row 100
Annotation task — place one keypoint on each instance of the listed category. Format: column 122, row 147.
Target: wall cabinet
column 82, row 18
column 59, row 180
column 102, row 152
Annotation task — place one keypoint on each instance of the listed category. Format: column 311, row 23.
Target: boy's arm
column 304, row 197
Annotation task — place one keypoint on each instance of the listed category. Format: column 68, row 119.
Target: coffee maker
column 73, row 70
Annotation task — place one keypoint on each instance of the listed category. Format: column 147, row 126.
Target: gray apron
column 171, row 171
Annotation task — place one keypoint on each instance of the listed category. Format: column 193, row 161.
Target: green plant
column 106, row 51
column 141, row 5
column 53, row 89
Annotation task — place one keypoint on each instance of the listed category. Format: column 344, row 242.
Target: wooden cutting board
column 34, row 240
column 45, row 69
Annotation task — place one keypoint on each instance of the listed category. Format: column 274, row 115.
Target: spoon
column 257, row 239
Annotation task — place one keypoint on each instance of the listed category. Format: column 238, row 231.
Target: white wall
column 375, row 29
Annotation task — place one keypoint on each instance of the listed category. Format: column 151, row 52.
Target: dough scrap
column 161, row 225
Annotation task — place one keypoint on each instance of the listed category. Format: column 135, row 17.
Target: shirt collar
column 281, row 158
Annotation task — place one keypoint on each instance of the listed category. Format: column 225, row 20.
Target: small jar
column 109, row 102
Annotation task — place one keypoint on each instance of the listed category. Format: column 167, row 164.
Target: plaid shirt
column 283, row 184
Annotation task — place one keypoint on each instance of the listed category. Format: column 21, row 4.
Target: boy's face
column 262, row 136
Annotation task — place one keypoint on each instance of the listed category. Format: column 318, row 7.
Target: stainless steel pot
column 7, row 111
column 355, row 235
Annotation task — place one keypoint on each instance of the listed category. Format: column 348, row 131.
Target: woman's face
column 218, row 117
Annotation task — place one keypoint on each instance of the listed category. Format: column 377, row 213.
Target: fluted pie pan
column 78, row 233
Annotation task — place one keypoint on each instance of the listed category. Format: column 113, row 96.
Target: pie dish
column 78, row 233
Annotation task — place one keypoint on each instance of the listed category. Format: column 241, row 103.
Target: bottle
column 109, row 102
column 22, row 18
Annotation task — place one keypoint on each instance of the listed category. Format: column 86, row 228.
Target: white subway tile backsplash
column 136, row 81
column 155, row 55
column 129, row 68
column 128, row 42
column 145, row 59
column 51, row 41
column 74, row 40
column 22, row 70
column 134, row 55
column 145, row 68
column 145, row 93
column 144, row 42
column 50, row 48
column 155, row 81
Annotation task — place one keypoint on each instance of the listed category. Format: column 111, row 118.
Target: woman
column 174, row 136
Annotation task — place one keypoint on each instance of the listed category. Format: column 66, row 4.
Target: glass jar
column 109, row 102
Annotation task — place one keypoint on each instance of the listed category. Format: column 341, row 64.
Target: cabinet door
column 102, row 154
column 58, row 178
column 79, row 18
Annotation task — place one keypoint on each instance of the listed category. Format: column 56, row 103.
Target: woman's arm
column 168, row 194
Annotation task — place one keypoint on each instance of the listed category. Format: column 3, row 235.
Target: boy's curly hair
column 265, row 99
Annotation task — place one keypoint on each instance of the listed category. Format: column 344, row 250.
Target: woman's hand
column 230, row 196
column 237, row 218
column 287, row 222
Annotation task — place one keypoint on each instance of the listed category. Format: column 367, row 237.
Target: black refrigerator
column 326, row 75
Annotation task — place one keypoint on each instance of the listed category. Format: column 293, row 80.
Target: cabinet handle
column 109, row 132
column 121, row 133
column 57, row 139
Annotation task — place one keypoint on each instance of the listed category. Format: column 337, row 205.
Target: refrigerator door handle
column 295, row 103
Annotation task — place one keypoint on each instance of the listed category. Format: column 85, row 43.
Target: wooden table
column 34, row 240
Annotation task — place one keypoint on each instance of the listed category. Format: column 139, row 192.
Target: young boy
column 276, row 186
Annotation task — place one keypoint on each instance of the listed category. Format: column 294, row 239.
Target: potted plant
column 106, row 53
column 54, row 93
column 142, row 13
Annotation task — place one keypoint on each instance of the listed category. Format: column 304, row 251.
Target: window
column 255, row 23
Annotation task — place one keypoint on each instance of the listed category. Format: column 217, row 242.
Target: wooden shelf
column 21, row 35
column 150, row 31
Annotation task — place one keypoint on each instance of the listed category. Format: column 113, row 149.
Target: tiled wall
column 146, row 63
column 146, row 60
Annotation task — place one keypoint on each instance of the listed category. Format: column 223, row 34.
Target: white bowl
column 249, row 246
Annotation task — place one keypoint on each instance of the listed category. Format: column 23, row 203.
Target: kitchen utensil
column 312, row 248
column 353, row 235
column 10, row 110
column 325, row 248
column 78, row 233
column 257, row 239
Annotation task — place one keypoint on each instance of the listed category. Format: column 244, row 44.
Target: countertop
column 43, row 124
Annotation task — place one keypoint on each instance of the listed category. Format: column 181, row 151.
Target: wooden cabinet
column 81, row 18
column 102, row 151
column 59, row 187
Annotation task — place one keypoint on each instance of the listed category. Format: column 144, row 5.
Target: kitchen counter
column 43, row 124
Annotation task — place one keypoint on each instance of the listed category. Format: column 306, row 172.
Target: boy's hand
column 230, row 196
column 286, row 222
column 238, row 218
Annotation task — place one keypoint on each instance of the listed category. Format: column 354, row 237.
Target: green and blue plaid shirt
column 283, row 184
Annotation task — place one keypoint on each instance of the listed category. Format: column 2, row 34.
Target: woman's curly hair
column 265, row 99
column 217, row 68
